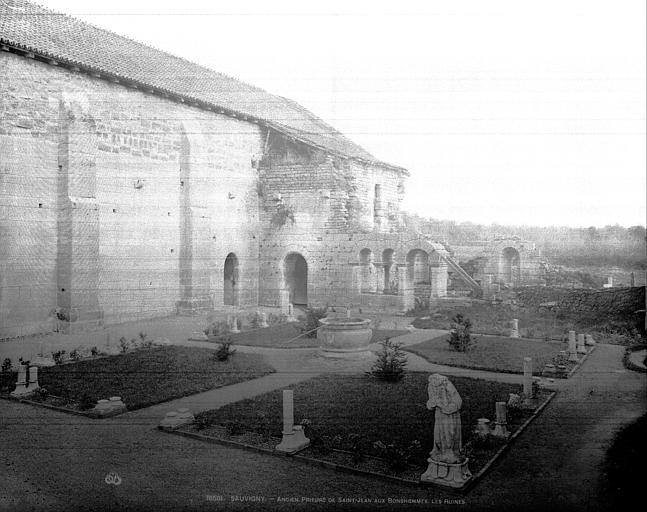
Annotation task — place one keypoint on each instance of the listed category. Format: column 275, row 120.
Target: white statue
column 444, row 398
column 446, row 464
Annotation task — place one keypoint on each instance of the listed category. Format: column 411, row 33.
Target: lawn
column 534, row 323
column 287, row 335
column 351, row 412
column 145, row 377
column 493, row 353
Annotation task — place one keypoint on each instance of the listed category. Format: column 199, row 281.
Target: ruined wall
column 612, row 302
column 117, row 204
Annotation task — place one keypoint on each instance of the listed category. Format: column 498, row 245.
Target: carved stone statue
column 446, row 464
column 444, row 398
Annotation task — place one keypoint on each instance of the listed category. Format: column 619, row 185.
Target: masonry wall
column 332, row 204
column 117, row 204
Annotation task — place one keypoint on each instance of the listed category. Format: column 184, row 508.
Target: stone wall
column 117, row 204
column 611, row 302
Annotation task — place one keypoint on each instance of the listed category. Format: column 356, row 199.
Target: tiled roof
column 46, row 33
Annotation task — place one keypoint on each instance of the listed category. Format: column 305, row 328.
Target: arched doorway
column 295, row 274
column 231, row 280
column 511, row 271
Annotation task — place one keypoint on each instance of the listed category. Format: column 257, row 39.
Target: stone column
column 514, row 333
column 501, row 424
column 33, row 379
column 438, row 277
column 572, row 347
column 405, row 289
column 527, row 377
column 294, row 438
column 284, row 298
column 356, row 279
column 21, row 383
column 581, row 349
column 379, row 278
column 288, row 411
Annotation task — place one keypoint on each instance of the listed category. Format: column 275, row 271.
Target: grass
column 493, row 353
column 283, row 336
column 623, row 466
column 145, row 377
column 339, row 407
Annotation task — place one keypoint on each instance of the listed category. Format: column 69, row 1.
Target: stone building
column 136, row 184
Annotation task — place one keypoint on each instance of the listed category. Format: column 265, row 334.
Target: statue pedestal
column 451, row 475
column 294, row 441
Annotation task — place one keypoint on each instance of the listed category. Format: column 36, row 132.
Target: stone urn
column 341, row 337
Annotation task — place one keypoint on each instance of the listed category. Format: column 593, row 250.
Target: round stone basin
column 345, row 334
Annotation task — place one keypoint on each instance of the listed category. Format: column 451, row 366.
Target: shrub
column 201, row 422
column 313, row 315
column 94, row 351
column 397, row 456
column 460, row 338
column 224, row 351
column 6, row 365
column 273, row 319
column 75, row 355
column 124, row 345
column 357, row 446
column 59, row 356
column 86, row 402
column 391, row 362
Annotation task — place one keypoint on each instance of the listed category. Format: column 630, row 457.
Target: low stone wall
column 612, row 302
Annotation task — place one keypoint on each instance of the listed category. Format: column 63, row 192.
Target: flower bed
column 364, row 423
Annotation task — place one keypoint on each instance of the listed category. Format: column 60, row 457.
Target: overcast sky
column 516, row 112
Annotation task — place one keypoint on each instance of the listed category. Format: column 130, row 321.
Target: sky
column 507, row 111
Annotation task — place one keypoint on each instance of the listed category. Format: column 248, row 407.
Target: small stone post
column 514, row 333
column 21, row 383
column 501, row 423
column 572, row 347
column 294, row 438
column 284, row 296
column 291, row 317
column 483, row 427
column 33, row 379
column 527, row 377
column 262, row 319
column 233, row 325
column 589, row 340
column 581, row 348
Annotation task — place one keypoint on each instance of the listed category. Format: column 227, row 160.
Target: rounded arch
column 510, row 266
column 418, row 266
column 231, row 278
column 295, row 278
